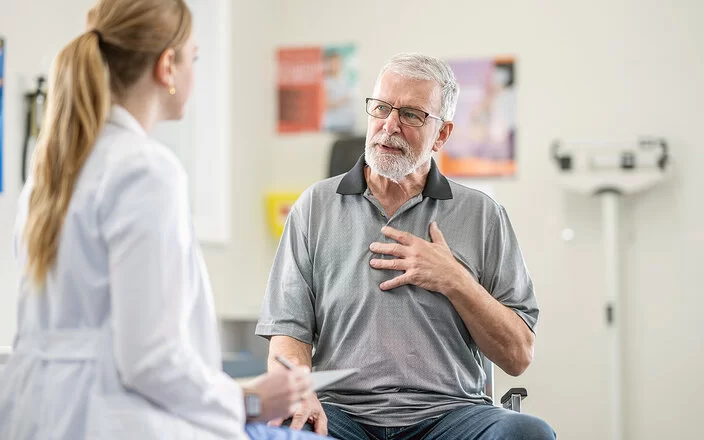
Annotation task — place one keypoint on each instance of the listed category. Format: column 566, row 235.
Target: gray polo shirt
column 416, row 358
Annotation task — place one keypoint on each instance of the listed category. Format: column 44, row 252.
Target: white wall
column 600, row 69
column 34, row 31
column 239, row 269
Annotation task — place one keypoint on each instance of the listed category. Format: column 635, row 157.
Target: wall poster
column 318, row 89
column 483, row 142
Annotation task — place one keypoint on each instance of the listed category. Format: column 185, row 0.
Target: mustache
column 391, row 141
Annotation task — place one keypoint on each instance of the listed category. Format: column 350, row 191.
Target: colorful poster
column 317, row 89
column 2, row 77
column 483, row 142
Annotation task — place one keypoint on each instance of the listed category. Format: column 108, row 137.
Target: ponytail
column 78, row 103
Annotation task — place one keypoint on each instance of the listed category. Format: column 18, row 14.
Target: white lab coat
column 121, row 342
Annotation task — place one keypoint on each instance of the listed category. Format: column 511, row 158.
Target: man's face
column 394, row 150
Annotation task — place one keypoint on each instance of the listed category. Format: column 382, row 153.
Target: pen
column 284, row 362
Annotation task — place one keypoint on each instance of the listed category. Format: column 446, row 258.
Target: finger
column 321, row 425
column 275, row 422
column 400, row 236
column 295, row 408
column 299, row 419
column 436, row 234
column 395, row 282
column 395, row 249
column 393, row 264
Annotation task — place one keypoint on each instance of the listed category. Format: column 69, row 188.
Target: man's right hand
column 310, row 411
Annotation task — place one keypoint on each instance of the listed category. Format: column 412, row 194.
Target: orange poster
column 317, row 88
column 301, row 93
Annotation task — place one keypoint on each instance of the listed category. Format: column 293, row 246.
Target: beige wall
column 594, row 70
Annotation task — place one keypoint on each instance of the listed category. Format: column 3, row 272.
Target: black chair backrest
column 345, row 153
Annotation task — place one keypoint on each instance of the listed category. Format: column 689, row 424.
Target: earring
column 172, row 90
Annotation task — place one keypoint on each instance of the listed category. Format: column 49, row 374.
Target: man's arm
column 290, row 348
column 498, row 331
column 300, row 353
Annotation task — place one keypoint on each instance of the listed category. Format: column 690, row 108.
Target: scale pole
column 610, row 207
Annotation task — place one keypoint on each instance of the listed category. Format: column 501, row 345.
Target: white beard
column 393, row 166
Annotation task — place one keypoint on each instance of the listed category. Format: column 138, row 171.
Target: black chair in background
column 344, row 154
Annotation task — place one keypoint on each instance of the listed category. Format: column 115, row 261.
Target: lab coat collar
column 121, row 117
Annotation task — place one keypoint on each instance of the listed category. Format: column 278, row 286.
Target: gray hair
column 418, row 66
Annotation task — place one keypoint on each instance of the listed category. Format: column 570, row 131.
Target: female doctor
column 117, row 335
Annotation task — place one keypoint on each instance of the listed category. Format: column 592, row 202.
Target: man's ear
column 443, row 135
column 164, row 69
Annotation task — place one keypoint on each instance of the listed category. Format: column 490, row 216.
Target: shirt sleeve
column 145, row 221
column 505, row 274
column 289, row 302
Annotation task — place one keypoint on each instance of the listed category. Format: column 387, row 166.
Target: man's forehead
column 402, row 90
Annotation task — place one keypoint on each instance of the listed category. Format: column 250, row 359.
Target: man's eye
column 412, row 116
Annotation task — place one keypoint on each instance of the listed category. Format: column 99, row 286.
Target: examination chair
column 344, row 154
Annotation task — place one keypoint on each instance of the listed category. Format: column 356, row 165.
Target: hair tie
column 98, row 34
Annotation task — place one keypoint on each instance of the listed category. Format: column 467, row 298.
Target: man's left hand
column 426, row 264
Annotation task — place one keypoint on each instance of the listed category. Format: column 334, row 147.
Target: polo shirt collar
column 436, row 185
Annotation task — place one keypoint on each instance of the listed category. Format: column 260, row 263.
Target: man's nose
column 392, row 124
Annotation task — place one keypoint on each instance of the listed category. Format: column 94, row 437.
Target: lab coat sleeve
column 146, row 224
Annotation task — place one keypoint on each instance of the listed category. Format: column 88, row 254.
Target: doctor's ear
column 165, row 68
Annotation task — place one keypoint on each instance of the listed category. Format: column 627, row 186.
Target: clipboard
column 323, row 379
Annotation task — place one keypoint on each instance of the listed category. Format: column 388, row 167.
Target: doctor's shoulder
column 128, row 158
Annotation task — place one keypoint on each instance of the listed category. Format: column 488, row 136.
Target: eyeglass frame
column 398, row 109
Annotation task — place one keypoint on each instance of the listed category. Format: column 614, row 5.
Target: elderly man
column 364, row 278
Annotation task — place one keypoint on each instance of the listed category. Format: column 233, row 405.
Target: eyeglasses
column 407, row 115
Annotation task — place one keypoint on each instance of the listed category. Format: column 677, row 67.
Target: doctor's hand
column 426, row 264
column 281, row 392
column 310, row 411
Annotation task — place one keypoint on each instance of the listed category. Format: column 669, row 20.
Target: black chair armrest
column 521, row 391
column 513, row 397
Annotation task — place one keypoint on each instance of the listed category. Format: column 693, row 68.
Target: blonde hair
column 127, row 37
